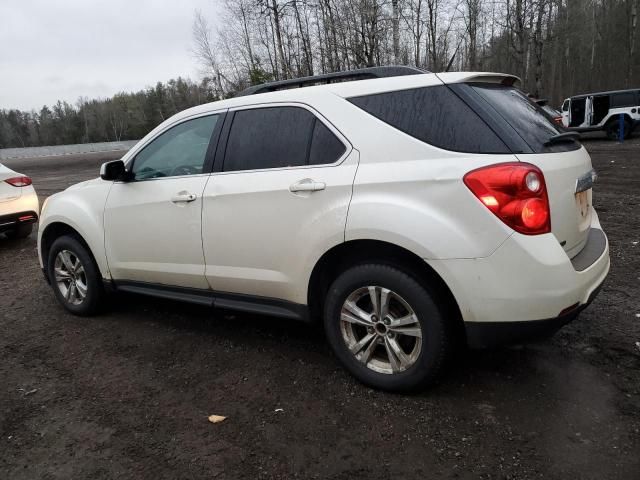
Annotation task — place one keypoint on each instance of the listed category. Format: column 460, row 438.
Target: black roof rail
column 349, row 75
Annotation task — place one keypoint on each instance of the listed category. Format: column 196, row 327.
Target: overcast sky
column 64, row 49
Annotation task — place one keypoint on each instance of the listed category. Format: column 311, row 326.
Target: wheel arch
column 354, row 252
column 613, row 119
column 55, row 230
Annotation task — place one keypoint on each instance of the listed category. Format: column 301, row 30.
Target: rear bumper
column 10, row 221
column 491, row 334
column 527, row 287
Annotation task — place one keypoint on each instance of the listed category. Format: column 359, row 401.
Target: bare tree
column 203, row 49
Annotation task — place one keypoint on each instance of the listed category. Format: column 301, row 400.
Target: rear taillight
column 516, row 193
column 19, row 181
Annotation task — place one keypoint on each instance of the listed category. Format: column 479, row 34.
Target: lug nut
column 390, row 335
column 386, row 321
column 374, row 318
column 370, row 329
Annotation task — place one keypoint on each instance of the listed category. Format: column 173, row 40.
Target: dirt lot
column 127, row 394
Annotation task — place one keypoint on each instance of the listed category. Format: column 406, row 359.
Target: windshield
column 531, row 123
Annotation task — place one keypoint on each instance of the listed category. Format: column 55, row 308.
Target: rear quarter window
column 434, row 115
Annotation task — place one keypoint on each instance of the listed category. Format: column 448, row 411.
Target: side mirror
column 113, row 171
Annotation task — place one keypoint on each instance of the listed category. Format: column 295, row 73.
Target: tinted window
column 325, row 146
column 626, row 99
column 524, row 116
column 434, row 115
column 181, row 150
column 552, row 112
column 565, row 106
column 269, row 138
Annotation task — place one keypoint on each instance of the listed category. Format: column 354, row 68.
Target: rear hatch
column 8, row 192
column 533, row 137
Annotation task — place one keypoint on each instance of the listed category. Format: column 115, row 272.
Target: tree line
column 125, row 116
column 558, row 48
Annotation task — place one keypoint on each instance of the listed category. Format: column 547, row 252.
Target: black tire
column 22, row 231
column 95, row 294
column 435, row 336
column 613, row 129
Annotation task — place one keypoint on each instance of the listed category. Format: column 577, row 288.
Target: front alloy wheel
column 74, row 276
column 70, row 277
column 381, row 329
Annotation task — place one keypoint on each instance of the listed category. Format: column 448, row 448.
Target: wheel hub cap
column 381, row 329
column 70, row 277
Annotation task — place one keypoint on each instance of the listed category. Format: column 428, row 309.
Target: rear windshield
column 524, row 116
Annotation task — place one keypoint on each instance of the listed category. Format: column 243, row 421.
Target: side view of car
column 19, row 205
column 601, row 111
column 405, row 210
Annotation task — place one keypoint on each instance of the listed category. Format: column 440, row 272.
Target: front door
column 153, row 226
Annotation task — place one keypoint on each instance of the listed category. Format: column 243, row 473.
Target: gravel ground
column 127, row 394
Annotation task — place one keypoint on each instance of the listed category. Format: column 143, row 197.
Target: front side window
column 181, row 150
column 278, row 137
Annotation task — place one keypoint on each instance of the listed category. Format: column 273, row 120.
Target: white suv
column 406, row 212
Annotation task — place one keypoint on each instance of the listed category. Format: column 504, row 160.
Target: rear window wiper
column 563, row 137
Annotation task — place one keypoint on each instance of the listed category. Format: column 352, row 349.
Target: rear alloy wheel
column 74, row 277
column 386, row 328
column 381, row 329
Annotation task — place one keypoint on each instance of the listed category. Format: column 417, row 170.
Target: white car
column 19, row 206
column 405, row 211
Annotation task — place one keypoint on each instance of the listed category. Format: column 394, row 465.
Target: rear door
column 278, row 200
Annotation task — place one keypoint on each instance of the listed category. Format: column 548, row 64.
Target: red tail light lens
column 19, row 181
column 516, row 193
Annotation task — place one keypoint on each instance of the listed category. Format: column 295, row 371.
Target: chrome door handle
column 307, row 185
column 183, row 198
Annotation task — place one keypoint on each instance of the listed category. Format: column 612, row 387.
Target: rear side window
column 325, row 146
column 434, row 115
column 626, row 99
column 277, row 137
column 524, row 116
